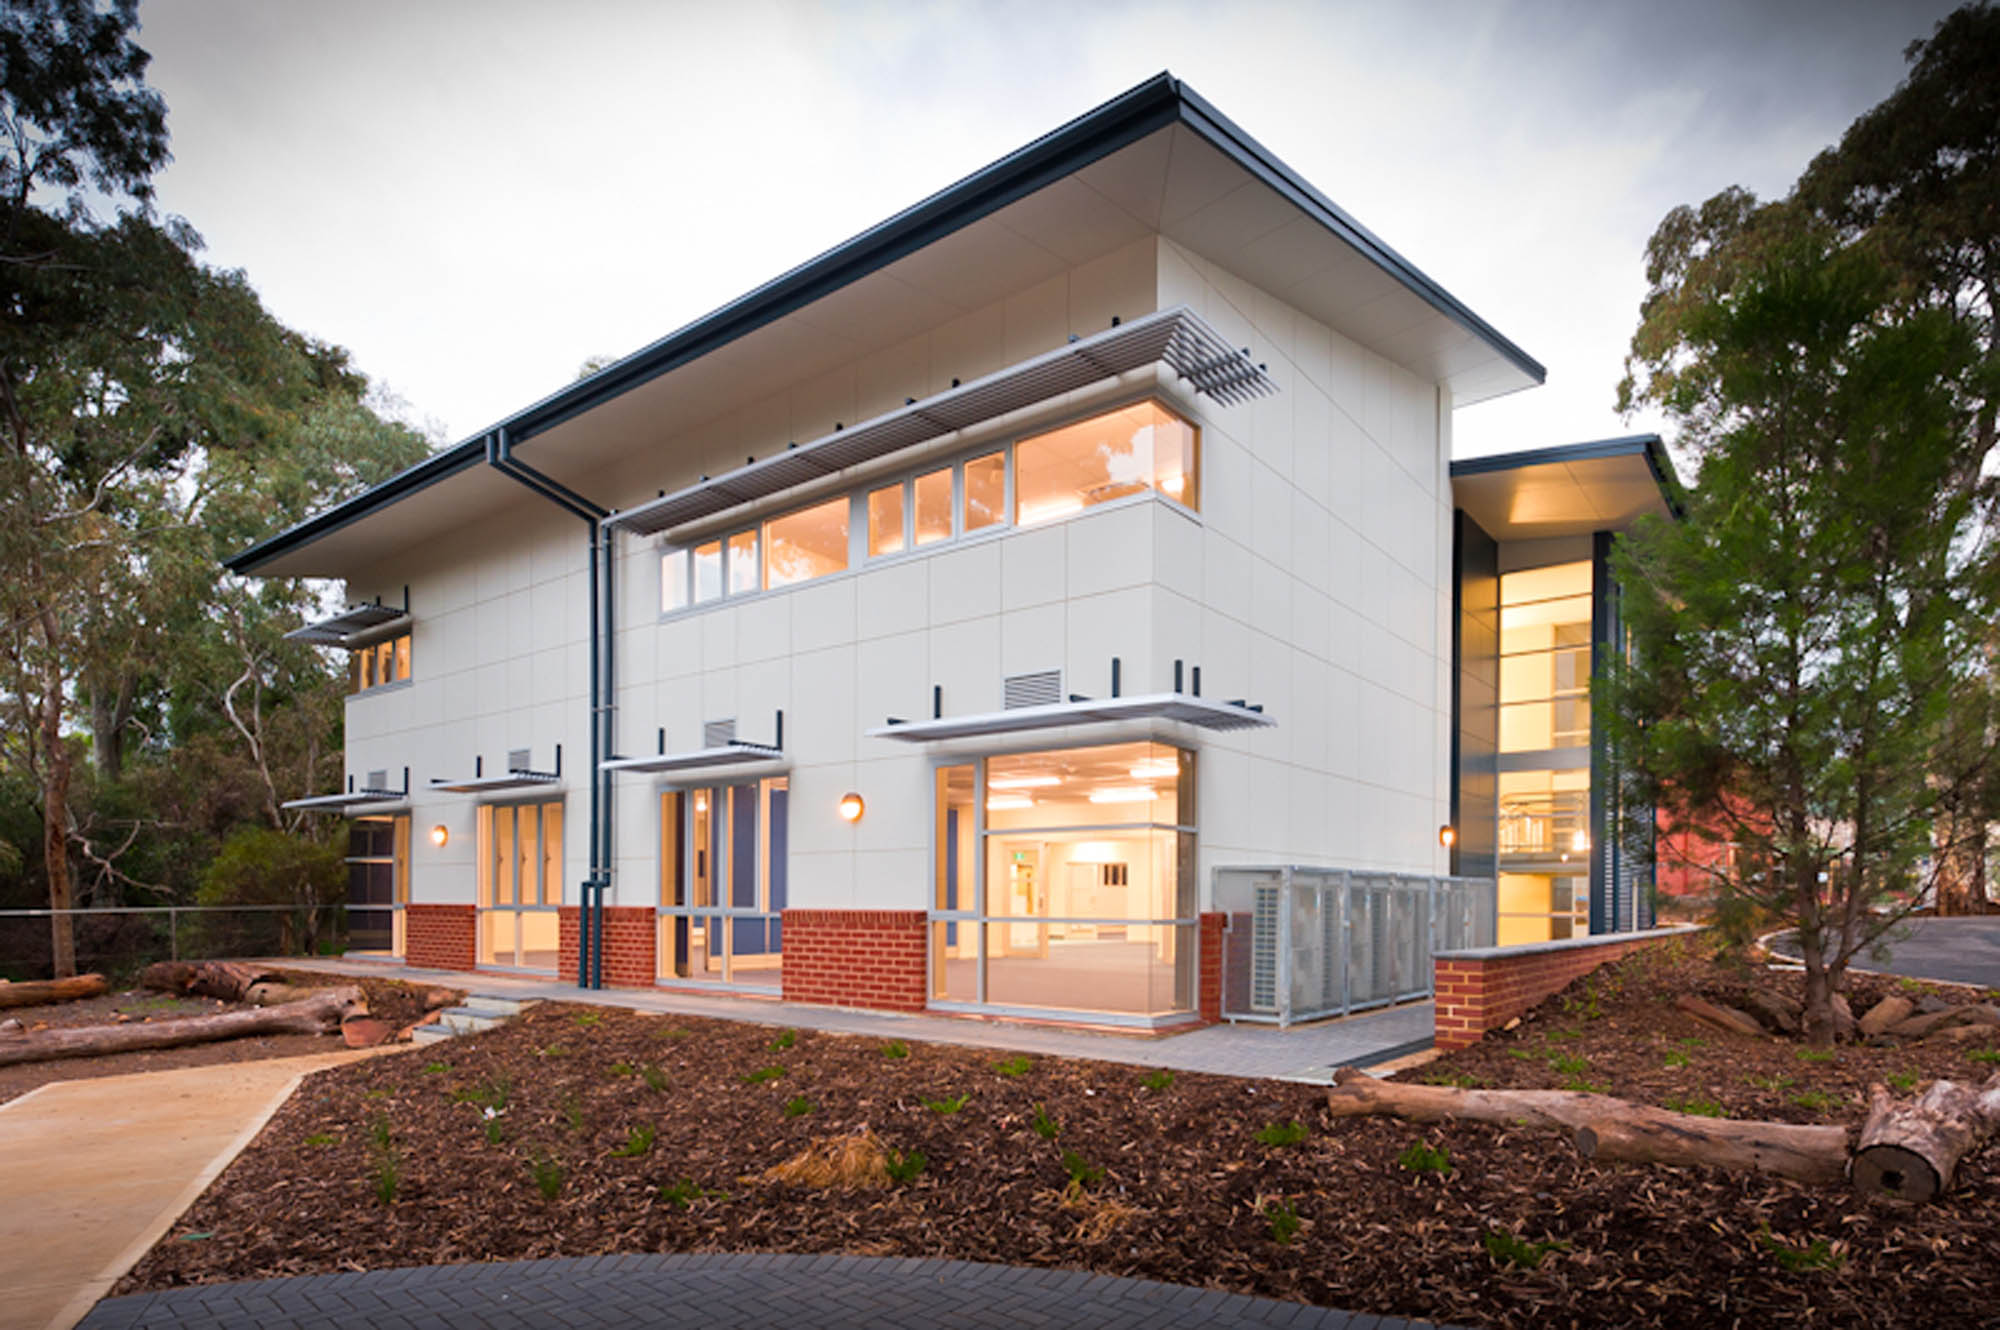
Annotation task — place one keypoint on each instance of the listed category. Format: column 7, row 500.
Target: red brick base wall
column 631, row 941
column 440, row 937
column 856, row 958
column 1483, row 989
column 1208, row 974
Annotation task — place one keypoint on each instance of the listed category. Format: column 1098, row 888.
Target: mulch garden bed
column 394, row 1001
column 581, row 1130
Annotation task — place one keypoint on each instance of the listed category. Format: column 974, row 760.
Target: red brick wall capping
column 1482, row 988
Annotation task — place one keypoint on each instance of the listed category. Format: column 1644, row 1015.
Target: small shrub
column 1015, row 1066
column 496, row 1132
column 1157, row 1080
column 1775, row 1084
column 1697, row 1106
column 585, row 1019
column 1692, row 1041
column 1819, row 1254
column 1817, row 1101
column 1817, row 1055
column 785, row 1039
column 1283, row 1219
column 904, row 1166
column 490, row 1093
column 1560, row 1035
column 1507, row 1249
column 798, row 1106
column 1522, row 1054
column 654, row 1078
column 553, row 1051
column 1572, row 1069
column 375, row 1094
column 1904, row 1080
column 1422, row 1157
column 322, row 1138
column 670, row 1032
column 1081, row 1171
column 548, row 1175
column 764, row 1074
column 1278, row 1135
column 638, row 1141
column 1676, row 1058
column 1045, row 1126
column 686, row 1192
column 622, row 1069
column 386, row 1169
column 895, row 1048
column 1986, row 1055
column 573, row 1113
column 436, row 1068
column 946, row 1107
column 1464, row 1080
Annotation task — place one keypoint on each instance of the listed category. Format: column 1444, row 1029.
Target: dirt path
column 94, row 1171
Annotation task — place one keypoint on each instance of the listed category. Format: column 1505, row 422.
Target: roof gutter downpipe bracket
column 598, row 559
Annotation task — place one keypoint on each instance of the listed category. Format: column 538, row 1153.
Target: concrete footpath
column 92, row 1172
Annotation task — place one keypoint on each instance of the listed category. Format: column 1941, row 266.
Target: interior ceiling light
column 1001, row 803
column 1158, row 768
column 1122, row 794
column 1022, row 782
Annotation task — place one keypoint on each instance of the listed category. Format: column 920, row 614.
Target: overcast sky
column 475, row 197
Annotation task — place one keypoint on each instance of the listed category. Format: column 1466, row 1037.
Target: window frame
column 396, row 652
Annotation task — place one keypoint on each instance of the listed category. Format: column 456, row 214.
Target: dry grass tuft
column 836, row 1161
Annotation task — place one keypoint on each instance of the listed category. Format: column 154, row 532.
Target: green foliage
column 1818, row 1101
column 686, row 1192
column 670, row 1032
column 1015, row 1066
column 895, row 1048
column 322, row 1138
column 385, row 1169
column 784, row 1040
column 1772, row 1083
column 1507, row 1249
column 437, row 1068
column 638, row 1141
column 585, row 1019
column 798, row 1106
column 1044, row 1126
column 1157, row 1080
column 904, row 1166
column 547, row 1172
column 1573, row 1073
column 620, row 1069
column 1422, row 1157
column 553, row 1051
column 1082, row 1173
column 1986, row 1055
column 491, row 1123
column 654, row 1078
column 1697, row 1106
column 1464, row 1080
column 764, row 1074
column 946, row 1107
column 1676, row 1058
column 1283, row 1220
column 490, row 1093
column 1815, row 1255
column 1903, row 1080
column 1816, row 1055
column 1280, row 1135
column 572, row 1108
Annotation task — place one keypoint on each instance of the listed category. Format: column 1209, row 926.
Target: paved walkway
column 92, row 1172
column 1959, row 950
column 1302, row 1053
column 715, row 1293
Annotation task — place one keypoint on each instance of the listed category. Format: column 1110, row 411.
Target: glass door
column 520, row 884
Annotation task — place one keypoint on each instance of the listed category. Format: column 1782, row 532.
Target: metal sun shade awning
column 735, row 754
column 1177, row 337
column 343, row 627
column 513, row 780
column 1083, row 711
column 334, row 803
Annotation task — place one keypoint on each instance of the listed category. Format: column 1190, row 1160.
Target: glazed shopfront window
column 723, row 883
column 1065, row 882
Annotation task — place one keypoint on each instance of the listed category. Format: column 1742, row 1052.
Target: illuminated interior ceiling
column 1566, row 491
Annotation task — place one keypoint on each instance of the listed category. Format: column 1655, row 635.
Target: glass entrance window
column 1545, row 658
column 723, row 883
column 1065, row 881
column 378, row 883
column 520, row 884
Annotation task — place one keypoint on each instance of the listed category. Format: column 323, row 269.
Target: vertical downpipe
column 584, row 944
column 607, row 744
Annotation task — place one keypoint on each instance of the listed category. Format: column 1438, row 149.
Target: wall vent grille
column 377, row 780
column 520, row 759
column 718, row 733
column 1041, row 689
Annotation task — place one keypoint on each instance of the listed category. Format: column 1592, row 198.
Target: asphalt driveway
column 1963, row 951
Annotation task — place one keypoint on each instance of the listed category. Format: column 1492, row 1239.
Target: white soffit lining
column 339, row 629
column 1177, row 337
column 1086, row 711
column 699, row 759
column 1562, row 498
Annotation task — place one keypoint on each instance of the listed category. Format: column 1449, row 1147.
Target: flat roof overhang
column 723, row 757
column 513, row 780
column 1570, row 490
column 1157, row 160
column 343, row 629
column 340, row 803
column 1083, row 711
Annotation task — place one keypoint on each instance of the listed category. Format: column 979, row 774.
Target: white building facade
column 925, row 628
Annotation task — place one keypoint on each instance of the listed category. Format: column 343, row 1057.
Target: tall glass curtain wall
column 378, row 883
column 1544, row 778
column 723, row 858
column 520, row 884
column 1065, row 881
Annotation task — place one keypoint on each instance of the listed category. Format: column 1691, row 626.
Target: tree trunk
column 231, row 981
column 1607, row 1128
column 1909, row 1151
column 37, row 991
column 55, row 816
column 319, row 1014
column 110, row 713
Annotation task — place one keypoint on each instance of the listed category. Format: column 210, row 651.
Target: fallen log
column 1779, row 1015
column 1722, row 1018
column 1909, row 1150
column 320, row 1013
column 1885, row 1014
column 34, row 992
column 1607, row 1128
column 231, row 981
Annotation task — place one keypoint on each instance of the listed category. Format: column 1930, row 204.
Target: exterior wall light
column 439, row 835
column 851, row 807
column 1447, row 835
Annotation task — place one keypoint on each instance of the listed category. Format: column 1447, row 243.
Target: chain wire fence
column 119, row 941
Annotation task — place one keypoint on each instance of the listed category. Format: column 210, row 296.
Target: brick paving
column 1302, row 1053
column 715, row 1292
